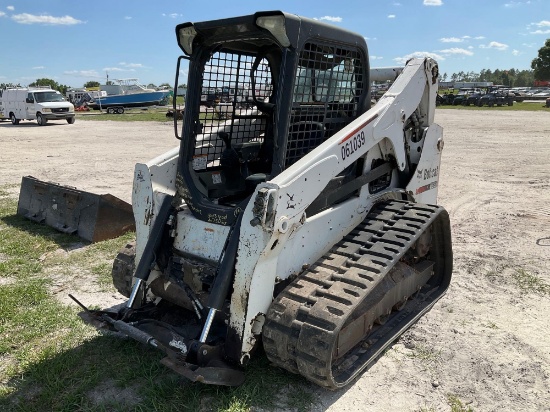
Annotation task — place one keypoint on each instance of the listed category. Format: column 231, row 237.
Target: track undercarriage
column 335, row 319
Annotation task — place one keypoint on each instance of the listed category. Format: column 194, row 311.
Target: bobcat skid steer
column 302, row 220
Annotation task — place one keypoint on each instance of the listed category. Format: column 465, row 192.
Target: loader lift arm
column 413, row 91
column 386, row 120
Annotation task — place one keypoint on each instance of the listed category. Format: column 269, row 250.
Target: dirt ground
column 486, row 345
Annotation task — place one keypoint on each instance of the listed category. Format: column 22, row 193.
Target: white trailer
column 464, row 85
column 40, row 104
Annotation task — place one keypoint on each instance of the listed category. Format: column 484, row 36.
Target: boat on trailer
column 128, row 93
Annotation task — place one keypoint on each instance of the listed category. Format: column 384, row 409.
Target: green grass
column 526, row 282
column 51, row 361
column 530, row 283
column 456, row 404
column 453, row 401
column 522, row 106
column 490, row 325
column 425, row 354
column 130, row 115
column 136, row 115
column 426, row 409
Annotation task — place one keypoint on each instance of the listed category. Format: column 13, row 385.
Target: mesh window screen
column 225, row 101
column 325, row 96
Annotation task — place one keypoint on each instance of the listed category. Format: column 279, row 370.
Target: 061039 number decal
column 352, row 145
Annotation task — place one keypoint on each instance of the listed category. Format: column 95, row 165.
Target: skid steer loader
column 304, row 220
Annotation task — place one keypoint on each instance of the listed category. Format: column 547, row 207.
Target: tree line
column 540, row 66
column 510, row 77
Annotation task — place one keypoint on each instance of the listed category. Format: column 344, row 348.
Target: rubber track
column 303, row 324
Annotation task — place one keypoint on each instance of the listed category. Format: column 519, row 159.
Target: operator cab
column 280, row 85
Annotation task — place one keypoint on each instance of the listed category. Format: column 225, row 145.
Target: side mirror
column 174, row 106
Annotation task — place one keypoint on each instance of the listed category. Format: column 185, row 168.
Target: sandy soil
column 485, row 345
column 95, row 156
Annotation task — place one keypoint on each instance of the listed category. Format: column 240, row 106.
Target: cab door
column 29, row 106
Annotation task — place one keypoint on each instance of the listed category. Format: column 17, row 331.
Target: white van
column 38, row 103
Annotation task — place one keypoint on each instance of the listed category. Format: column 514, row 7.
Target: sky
column 74, row 42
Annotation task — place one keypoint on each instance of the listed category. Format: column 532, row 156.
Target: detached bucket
column 67, row 209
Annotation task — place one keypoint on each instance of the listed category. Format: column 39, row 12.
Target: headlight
column 276, row 26
column 186, row 36
column 46, row 110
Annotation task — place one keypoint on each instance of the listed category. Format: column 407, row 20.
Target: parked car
column 472, row 99
column 517, row 96
column 462, row 96
column 447, row 99
column 495, row 98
